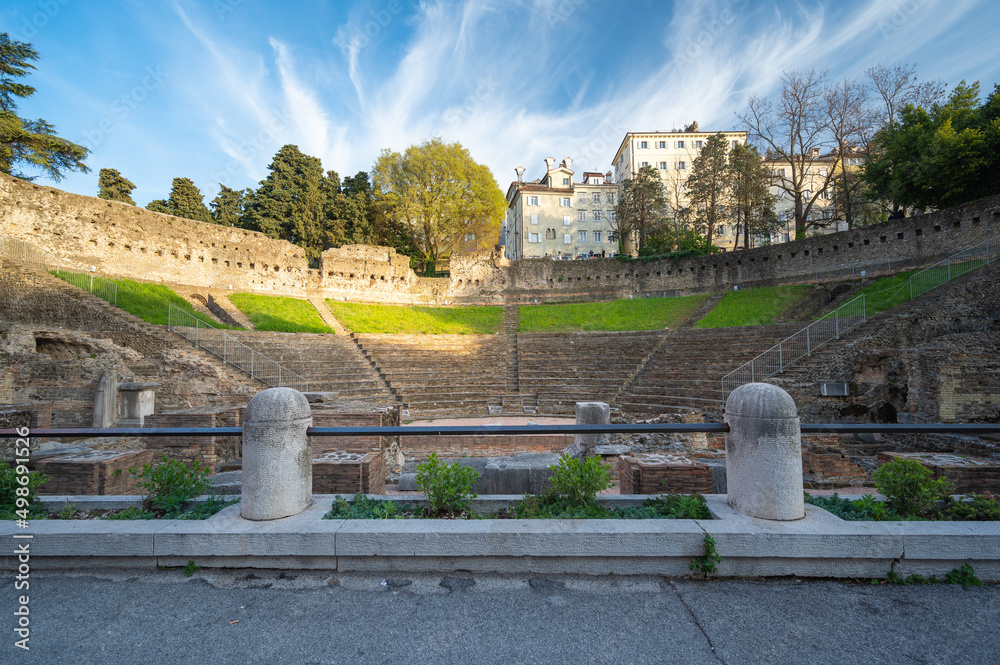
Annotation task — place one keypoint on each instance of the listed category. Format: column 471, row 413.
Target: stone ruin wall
column 123, row 240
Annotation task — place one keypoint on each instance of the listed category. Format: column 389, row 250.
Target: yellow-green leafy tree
column 440, row 194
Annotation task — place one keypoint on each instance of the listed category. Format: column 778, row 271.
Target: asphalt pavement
column 243, row 618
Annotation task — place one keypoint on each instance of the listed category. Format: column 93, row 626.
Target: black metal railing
column 502, row 430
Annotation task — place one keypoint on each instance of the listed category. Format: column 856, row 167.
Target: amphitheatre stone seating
column 441, row 374
column 327, row 362
column 687, row 370
column 565, row 368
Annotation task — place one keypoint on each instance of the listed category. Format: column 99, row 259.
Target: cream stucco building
column 559, row 218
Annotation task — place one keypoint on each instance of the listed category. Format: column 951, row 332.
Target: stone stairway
column 511, row 401
column 328, row 318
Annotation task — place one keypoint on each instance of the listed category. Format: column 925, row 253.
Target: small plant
column 133, row 513
column 19, row 500
column 910, row 486
column 190, row 569
column 67, row 512
column 579, row 481
column 360, row 507
column 448, row 486
column 964, row 576
column 708, row 562
column 171, row 484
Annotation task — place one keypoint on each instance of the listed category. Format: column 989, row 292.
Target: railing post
column 91, row 282
column 781, row 358
column 949, row 268
column 808, row 346
column 836, row 322
column 197, row 336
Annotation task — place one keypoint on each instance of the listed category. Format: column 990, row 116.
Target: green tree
column 186, row 201
column 439, row 193
column 289, row 204
column 114, row 186
column 750, row 199
column 707, row 185
column 159, row 205
column 32, row 143
column 229, row 204
column 641, row 211
column 939, row 157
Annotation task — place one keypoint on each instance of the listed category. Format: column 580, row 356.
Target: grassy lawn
column 418, row 320
column 147, row 301
column 884, row 294
column 278, row 314
column 644, row 314
column 753, row 307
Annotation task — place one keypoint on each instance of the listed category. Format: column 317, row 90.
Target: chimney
column 520, row 174
column 609, row 178
column 815, row 152
column 549, row 163
column 568, row 162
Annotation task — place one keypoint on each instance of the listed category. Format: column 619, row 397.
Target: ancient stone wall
column 119, row 239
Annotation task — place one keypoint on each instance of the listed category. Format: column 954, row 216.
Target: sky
column 211, row 89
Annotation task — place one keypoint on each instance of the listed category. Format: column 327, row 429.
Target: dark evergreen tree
column 29, row 142
column 707, row 185
column 290, row 202
column 159, row 205
column 114, row 186
column 229, row 205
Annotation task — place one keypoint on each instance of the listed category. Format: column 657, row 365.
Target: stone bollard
column 277, row 455
column 590, row 413
column 764, row 453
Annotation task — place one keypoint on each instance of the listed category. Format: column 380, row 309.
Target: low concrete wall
column 819, row 545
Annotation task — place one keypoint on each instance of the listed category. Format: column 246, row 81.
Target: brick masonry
column 102, row 472
column 655, row 473
column 348, row 473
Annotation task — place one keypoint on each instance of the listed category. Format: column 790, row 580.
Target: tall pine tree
column 114, row 186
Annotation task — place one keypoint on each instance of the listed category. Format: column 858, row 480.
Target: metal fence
column 954, row 266
column 802, row 343
column 232, row 351
column 26, row 252
column 853, row 313
column 100, row 287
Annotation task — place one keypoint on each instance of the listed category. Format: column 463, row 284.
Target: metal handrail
column 232, row 351
column 777, row 358
column 794, row 347
column 26, row 252
column 506, row 430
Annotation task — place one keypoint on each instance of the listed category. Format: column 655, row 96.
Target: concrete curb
column 819, row 545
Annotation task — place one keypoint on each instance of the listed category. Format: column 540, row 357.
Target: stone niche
column 136, row 400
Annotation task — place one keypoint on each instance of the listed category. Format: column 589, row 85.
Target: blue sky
column 210, row 89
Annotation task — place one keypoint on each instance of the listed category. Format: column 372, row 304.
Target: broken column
column 105, row 400
column 764, row 453
column 136, row 400
column 277, row 455
column 590, row 413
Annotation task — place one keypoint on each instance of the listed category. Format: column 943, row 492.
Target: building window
column 682, row 165
column 566, row 182
column 567, row 239
column 643, row 145
column 582, row 197
column 597, row 197
column 721, row 230
column 663, row 166
column 582, row 216
column 612, row 215
column 532, row 200
column 565, row 202
column 470, row 237
column 662, row 145
column 697, row 145
column 534, row 219
column 583, row 236
column 611, row 198
column 645, row 164
column 680, row 144
column 533, row 237
column 597, row 236
column 566, row 220
column 597, row 215
column 735, row 143
column 550, row 234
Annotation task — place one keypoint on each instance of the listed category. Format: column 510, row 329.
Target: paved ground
column 262, row 617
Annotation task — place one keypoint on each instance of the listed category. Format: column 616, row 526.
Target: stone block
column 103, row 472
column 348, row 473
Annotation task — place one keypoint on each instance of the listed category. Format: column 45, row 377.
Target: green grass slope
column 394, row 319
column 280, row 314
column 620, row 315
column 754, row 307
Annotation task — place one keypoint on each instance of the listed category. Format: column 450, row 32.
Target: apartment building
column 672, row 154
column 557, row 217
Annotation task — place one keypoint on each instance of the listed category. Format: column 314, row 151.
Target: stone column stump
column 277, row 455
column 764, row 453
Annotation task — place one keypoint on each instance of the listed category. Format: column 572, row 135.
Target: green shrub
column 134, row 513
column 448, row 486
column 171, row 484
column 974, row 507
column 360, row 507
column 19, row 497
column 910, row 486
column 579, row 481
